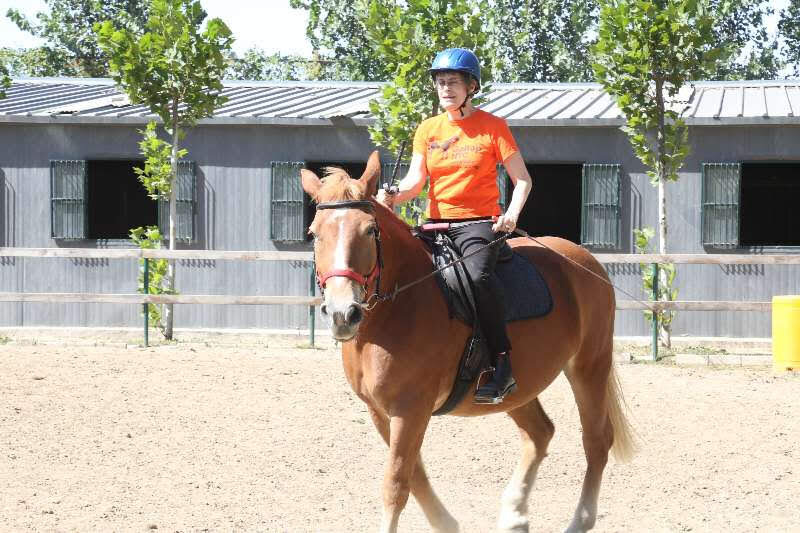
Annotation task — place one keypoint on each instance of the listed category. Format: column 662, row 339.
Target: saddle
column 517, row 276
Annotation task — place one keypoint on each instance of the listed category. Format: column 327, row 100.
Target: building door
column 554, row 206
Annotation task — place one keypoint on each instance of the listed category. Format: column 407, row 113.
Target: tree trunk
column 173, row 211
column 661, row 168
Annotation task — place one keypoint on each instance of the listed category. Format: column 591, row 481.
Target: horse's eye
column 373, row 230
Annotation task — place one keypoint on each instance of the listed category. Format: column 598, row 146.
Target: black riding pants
column 488, row 291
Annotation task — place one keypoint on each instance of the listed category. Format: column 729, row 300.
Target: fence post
column 655, row 314
column 311, row 312
column 145, row 306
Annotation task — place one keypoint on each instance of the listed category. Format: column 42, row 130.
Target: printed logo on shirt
column 444, row 146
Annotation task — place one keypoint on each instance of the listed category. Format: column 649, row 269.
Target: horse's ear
column 371, row 175
column 311, row 182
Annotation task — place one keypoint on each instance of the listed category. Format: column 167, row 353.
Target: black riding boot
column 501, row 384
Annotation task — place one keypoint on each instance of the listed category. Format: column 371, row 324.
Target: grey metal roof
column 82, row 100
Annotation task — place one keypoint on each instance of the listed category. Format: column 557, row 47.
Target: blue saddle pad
column 526, row 294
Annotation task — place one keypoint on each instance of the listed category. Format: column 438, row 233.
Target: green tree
column 175, row 67
column 5, row 81
column 71, row 47
column 406, row 39
column 646, row 51
column 336, row 30
column 541, row 40
column 740, row 30
column 789, row 27
column 31, row 62
column 255, row 64
column 665, row 290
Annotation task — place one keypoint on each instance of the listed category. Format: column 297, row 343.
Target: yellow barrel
column 786, row 333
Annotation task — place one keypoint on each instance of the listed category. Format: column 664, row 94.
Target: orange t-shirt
column 461, row 158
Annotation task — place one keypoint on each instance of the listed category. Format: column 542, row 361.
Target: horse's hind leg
column 536, row 430
column 588, row 374
column 438, row 517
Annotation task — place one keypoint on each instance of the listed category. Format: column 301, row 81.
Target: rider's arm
column 410, row 186
column 518, row 172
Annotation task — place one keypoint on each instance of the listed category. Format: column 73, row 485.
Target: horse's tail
column 624, row 441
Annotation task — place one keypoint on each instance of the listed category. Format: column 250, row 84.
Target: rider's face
column 452, row 89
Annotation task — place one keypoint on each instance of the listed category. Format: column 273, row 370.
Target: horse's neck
column 405, row 258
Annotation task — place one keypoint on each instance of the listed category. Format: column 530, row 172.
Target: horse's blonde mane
column 338, row 185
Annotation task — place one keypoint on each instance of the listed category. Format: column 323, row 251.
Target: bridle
column 375, row 273
column 362, row 279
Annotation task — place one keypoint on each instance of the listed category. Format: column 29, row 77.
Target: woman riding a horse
column 460, row 149
column 401, row 348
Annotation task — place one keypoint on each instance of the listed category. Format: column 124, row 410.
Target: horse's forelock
column 338, row 185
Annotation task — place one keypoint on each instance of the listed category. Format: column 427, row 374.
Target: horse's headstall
column 344, row 204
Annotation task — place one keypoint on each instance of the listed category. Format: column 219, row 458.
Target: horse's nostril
column 323, row 309
column 354, row 314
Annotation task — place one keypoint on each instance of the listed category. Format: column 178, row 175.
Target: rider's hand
column 387, row 196
column 506, row 223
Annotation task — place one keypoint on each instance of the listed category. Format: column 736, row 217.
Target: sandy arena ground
column 267, row 436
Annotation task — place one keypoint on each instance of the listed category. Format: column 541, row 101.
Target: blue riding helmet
column 458, row 59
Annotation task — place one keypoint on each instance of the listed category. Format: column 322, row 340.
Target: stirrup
column 493, row 400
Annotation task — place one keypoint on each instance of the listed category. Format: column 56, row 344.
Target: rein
column 375, row 273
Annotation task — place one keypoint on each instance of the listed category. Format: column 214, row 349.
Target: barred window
column 288, row 206
column 68, row 199
column 601, row 214
column 720, row 204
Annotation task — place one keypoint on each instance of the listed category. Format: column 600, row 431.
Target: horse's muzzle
column 344, row 319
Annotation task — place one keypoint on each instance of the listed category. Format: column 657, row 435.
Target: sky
column 269, row 24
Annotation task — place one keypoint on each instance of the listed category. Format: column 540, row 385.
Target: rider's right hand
column 387, row 195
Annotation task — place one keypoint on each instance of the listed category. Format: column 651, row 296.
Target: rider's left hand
column 506, row 223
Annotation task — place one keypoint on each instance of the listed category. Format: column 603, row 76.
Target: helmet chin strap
column 461, row 108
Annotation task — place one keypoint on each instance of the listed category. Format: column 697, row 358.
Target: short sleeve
column 505, row 145
column 420, row 141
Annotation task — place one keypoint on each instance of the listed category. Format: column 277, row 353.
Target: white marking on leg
column 514, row 501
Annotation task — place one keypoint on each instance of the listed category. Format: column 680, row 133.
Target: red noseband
column 362, row 280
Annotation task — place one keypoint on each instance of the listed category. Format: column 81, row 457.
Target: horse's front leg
column 440, row 519
column 406, row 431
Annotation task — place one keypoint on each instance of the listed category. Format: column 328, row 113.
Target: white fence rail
column 136, row 253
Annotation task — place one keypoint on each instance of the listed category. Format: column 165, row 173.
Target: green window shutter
column 288, row 221
column 68, row 190
column 720, row 204
column 600, row 214
column 502, row 185
column 185, row 205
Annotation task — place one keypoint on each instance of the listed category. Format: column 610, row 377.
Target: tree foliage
column 789, row 26
column 541, row 40
column 255, row 64
column 407, row 38
column 156, row 175
column 175, row 67
column 149, row 238
column 71, row 47
column 337, row 31
column 740, row 30
column 5, row 80
column 665, row 290
column 646, row 51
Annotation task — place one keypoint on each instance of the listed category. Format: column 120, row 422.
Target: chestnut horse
column 400, row 355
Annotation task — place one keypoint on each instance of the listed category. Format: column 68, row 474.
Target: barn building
column 68, row 148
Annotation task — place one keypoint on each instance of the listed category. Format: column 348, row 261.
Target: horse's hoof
column 513, row 523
